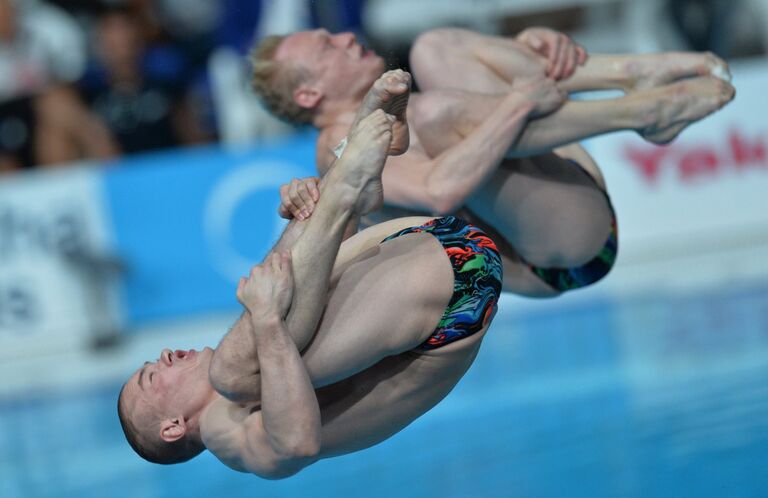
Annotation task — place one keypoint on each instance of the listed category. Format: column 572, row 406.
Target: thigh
column 548, row 208
column 386, row 301
column 459, row 59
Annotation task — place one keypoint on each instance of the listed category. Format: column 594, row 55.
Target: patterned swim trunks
column 477, row 272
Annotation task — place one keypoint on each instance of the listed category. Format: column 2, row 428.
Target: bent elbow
column 235, row 388
column 218, row 373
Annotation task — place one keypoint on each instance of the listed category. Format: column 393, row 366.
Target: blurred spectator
column 42, row 121
column 238, row 23
column 338, row 15
column 141, row 94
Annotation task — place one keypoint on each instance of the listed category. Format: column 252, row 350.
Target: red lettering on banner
column 647, row 161
column 704, row 161
column 697, row 163
column 745, row 153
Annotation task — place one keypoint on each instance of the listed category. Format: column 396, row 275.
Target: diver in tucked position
column 492, row 133
column 387, row 323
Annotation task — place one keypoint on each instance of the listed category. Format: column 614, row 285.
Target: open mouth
column 182, row 354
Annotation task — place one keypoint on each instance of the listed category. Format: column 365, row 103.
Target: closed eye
column 152, row 374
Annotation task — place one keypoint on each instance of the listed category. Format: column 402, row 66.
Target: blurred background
column 139, row 179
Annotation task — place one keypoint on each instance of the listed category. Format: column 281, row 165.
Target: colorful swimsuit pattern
column 477, row 279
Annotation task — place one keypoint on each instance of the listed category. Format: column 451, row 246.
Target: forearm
column 465, row 166
column 234, row 370
column 290, row 412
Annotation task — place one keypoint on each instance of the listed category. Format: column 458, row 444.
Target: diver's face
column 337, row 63
column 174, row 384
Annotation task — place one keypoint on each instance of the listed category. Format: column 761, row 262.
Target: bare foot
column 363, row 161
column 653, row 70
column 680, row 104
column 390, row 93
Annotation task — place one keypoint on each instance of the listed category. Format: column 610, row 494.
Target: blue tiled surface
column 657, row 396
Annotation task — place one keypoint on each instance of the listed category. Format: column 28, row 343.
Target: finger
column 284, row 212
column 306, row 198
column 294, row 210
column 536, row 43
column 582, row 53
column 285, row 194
column 557, row 59
column 562, row 58
column 300, row 196
column 296, row 203
column 297, row 213
column 570, row 63
column 552, row 57
column 293, row 190
column 314, row 190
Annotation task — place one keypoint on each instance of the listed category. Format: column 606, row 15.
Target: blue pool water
column 650, row 396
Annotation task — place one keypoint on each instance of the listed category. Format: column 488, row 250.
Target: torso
column 330, row 137
column 367, row 407
column 494, row 207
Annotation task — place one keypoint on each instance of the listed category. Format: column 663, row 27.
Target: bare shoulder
column 222, row 432
column 235, row 434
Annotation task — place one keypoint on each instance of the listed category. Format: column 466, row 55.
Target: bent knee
column 433, row 51
column 436, row 40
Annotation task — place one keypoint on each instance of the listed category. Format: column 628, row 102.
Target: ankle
column 344, row 193
column 641, row 112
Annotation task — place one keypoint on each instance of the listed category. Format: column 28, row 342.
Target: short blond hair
column 275, row 81
column 152, row 448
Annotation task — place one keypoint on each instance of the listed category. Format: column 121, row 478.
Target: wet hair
column 274, row 82
column 152, row 448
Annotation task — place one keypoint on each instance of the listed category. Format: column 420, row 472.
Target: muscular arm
column 313, row 244
column 284, row 435
column 289, row 422
column 442, row 184
column 314, row 251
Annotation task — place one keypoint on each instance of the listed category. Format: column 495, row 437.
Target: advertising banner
column 189, row 223
column 50, row 224
column 707, row 187
column 693, row 214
